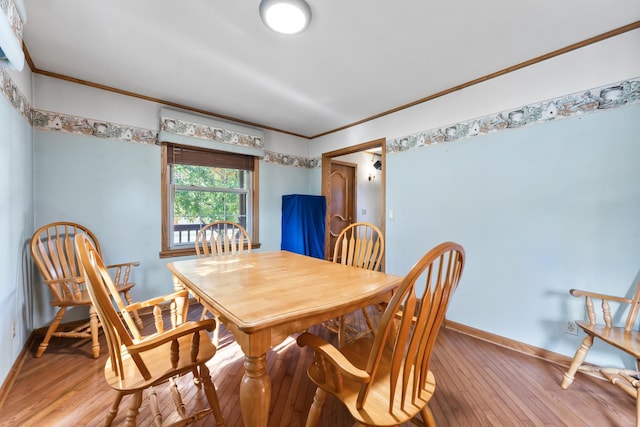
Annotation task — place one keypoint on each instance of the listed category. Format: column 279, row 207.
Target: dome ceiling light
column 285, row 16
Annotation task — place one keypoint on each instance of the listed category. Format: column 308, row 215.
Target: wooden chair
column 139, row 362
column 385, row 380
column 625, row 338
column 52, row 249
column 359, row 245
column 221, row 238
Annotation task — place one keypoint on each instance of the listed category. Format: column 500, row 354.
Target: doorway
column 336, row 185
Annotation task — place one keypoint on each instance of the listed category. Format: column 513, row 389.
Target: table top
column 260, row 290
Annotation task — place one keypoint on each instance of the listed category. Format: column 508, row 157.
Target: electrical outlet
column 571, row 328
column 13, row 329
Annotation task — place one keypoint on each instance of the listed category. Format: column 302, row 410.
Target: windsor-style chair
column 359, row 245
column 52, row 249
column 220, row 238
column 136, row 362
column 385, row 380
column 625, row 337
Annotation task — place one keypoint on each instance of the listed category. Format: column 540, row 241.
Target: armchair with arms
column 52, row 249
column 136, row 362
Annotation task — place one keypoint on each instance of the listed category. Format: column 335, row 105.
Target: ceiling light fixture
column 285, row 16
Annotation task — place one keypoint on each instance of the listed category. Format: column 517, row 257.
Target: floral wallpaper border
column 605, row 97
column 10, row 90
column 8, row 7
column 57, row 122
column 291, row 160
column 197, row 130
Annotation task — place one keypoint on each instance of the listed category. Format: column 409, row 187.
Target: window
column 200, row 186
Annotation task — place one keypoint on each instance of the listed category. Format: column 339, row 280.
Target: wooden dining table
column 263, row 297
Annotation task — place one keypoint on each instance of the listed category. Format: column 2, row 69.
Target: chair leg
column 369, row 321
column 136, row 317
column 132, row 413
column 155, row 408
column 52, row 328
column 177, row 399
column 216, row 334
column 341, row 331
column 316, row 408
column 212, row 394
column 95, row 330
column 578, row 359
column 427, row 416
column 197, row 381
column 113, row 411
column 637, row 408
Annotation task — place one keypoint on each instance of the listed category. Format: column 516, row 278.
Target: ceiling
column 358, row 58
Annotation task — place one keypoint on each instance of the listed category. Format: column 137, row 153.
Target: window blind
column 178, row 154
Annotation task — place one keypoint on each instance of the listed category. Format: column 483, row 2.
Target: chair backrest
column 410, row 324
column 222, row 238
column 118, row 326
column 53, row 251
column 360, row 245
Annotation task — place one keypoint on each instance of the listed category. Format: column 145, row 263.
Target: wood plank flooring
column 478, row 384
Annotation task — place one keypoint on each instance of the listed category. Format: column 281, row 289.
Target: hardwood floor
column 478, row 384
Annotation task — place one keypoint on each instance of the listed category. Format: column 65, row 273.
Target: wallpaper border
column 605, row 97
column 14, row 95
column 10, row 10
column 65, row 123
column 614, row 95
column 211, row 133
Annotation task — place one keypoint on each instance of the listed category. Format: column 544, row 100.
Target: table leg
column 255, row 392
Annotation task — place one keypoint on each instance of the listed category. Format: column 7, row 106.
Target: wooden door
column 342, row 183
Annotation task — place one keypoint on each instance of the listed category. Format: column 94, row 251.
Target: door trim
column 326, row 184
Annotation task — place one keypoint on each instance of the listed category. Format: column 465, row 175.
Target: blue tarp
column 303, row 224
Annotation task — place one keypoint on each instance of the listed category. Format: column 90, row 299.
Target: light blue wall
column 276, row 181
column 113, row 187
column 315, row 180
column 539, row 210
column 16, row 219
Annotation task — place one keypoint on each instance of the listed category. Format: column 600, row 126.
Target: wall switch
column 364, row 211
column 392, row 214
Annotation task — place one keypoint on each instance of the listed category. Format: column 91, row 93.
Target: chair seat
column 158, row 363
column 628, row 341
column 375, row 410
